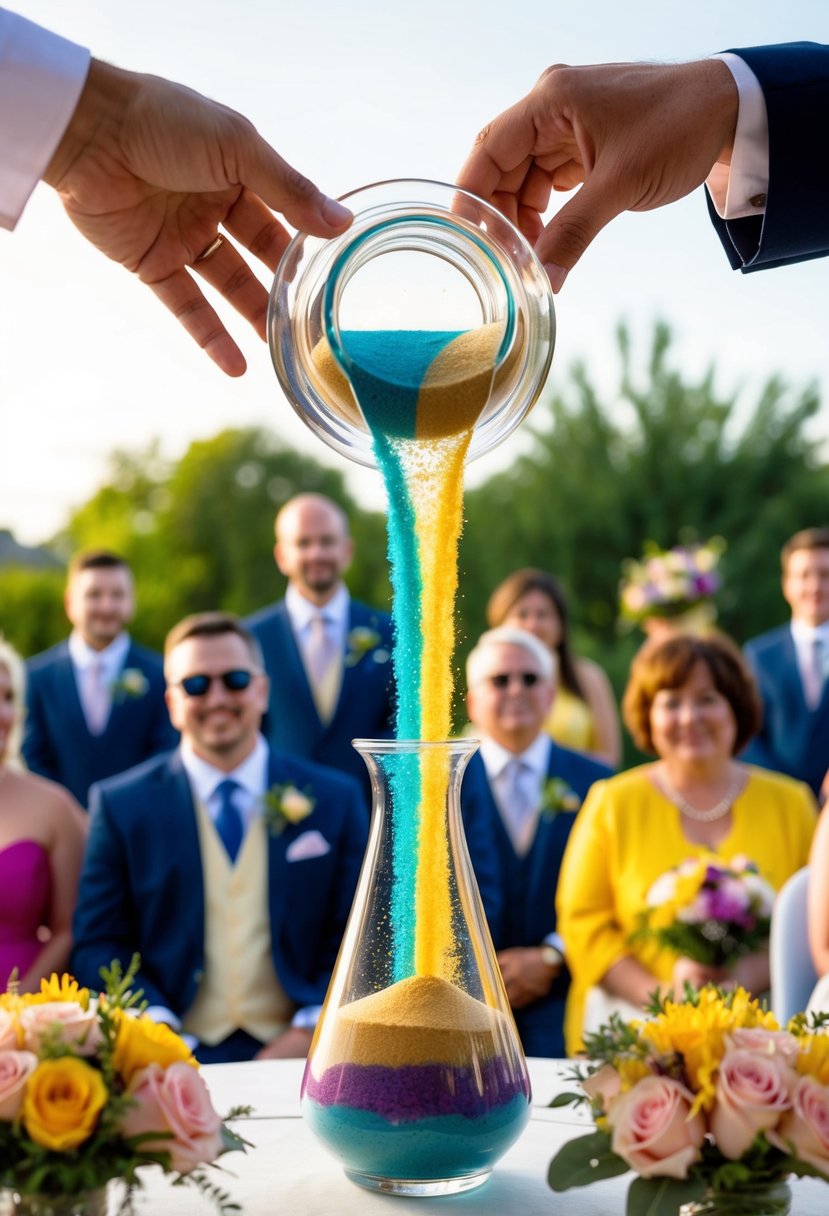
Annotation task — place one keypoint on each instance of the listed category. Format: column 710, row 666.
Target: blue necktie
column 229, row 821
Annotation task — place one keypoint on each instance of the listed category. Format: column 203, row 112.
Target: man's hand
column 526, row 976
column 292, row 1044
column 148, row 170
column 637, row 136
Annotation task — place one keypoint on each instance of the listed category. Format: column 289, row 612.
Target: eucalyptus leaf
column 583, row 1161
column 657, row 1196
column 566, row 1100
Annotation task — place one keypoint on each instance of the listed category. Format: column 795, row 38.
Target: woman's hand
column 686, row 971
column 526, row 975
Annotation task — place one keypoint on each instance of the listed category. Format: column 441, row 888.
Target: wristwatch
column 551, row 956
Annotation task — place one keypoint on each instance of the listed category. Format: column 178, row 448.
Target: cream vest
column 239, row 988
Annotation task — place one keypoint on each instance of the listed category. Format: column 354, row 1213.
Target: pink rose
column 75, row 1025
column 767, row 1042
column 653, row 1130
column 604, row 1083
column 174, row 1100
column 804, row 1130
column 15, row 1067
column 753, row 1092
column 8, row 1031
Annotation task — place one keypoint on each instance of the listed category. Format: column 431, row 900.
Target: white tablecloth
column 289, row 1172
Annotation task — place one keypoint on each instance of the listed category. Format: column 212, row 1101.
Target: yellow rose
column 141, row 1041
column 61, row 1103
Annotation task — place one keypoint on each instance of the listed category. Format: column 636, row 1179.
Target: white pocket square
column 309, row 844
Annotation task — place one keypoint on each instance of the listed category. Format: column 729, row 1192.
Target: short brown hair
column 213, row 625
column 97, row 559
column 668, row 664
column 808, row 538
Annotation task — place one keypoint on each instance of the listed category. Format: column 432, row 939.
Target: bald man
column 327, row 656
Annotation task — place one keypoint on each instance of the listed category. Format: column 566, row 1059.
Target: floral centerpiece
column 709, row 1102
column 670, row 582
column 90, row 1091
column 708, row 911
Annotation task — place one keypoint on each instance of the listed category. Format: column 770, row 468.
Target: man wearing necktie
column 229, row 866
column 791, row 666
column 328, row 656
column 95, row 703
column 531, row 789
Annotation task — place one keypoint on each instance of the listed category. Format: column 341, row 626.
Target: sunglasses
column 234, row 681
column 502, row 679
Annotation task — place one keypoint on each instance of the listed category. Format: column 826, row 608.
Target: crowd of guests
column 228, row 811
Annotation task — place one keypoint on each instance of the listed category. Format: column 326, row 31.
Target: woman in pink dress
column 42, row 836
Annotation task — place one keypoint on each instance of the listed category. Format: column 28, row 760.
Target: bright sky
column 351, row 94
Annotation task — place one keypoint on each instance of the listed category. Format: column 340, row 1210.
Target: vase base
column 418, row 1187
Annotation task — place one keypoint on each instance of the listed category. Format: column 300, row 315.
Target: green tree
column 665, row 458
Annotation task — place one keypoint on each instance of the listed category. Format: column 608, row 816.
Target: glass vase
column 89, row 1203
column 416, row 1079
column 751, row 1199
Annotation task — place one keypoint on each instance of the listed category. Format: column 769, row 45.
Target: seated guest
column 584, row 714
column 42, row 834
column 96, row 701
column 691, row 702
column 529, row 788
column 229, row 866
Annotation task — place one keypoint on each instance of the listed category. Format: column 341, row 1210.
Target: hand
column 292, row 1044
column 526, row 976
column 686, row 971
column 637, row 135
column 148, row 170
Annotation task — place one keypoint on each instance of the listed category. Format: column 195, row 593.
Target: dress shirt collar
column 251, row 775
column 112, row 656
column 804, row 634
column 301, row 610
column 536, row 756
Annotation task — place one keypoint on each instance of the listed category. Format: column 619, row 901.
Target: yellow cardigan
column 626, row 834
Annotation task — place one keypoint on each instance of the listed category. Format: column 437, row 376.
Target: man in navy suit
column 791, row 666
column 230, row 867
column 636, row 136
column 95, row 703
column 531, row 789
column 328, row 657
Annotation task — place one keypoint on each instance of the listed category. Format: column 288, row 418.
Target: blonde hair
column 11, row 660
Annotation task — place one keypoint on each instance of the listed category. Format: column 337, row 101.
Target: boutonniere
column 360, row 642
column 284, row 804
column 130, row 685
column 557, row 796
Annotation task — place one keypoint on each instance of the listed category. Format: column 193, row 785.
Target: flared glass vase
column 751, row 1199
column 416, row 1079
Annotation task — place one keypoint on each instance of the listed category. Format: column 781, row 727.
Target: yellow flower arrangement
column 707, row 1100
column 90, row 1090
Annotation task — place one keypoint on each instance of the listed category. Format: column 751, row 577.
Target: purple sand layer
column 417, row 1091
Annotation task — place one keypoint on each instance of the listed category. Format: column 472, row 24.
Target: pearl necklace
column 684, row 807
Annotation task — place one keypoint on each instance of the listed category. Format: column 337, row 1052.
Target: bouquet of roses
column 667, row 582
column 90, row 1090
column 709, row 1102
column 708, row 911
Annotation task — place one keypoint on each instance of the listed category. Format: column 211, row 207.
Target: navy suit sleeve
column 104, row 926
column 794, row 78
column 37, row 749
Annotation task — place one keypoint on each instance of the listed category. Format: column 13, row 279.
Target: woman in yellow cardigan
column 691, row 702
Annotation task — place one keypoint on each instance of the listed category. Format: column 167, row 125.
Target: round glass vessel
column 416, row 1079
column 423, row 267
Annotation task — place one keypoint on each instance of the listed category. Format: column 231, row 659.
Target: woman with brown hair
column 584, row 714
column 692, row 703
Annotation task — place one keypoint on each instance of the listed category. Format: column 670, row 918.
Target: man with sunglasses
column 531, row 789
column 229, row 866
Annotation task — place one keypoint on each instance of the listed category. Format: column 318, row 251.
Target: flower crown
column 667, row 582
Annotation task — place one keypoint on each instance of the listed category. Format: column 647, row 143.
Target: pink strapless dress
column 25, row 892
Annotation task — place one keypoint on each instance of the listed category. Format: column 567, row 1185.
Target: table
column 289, row 1172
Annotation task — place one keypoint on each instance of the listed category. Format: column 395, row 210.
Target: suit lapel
column 69, row 697
column 287, row 656
column 277, row 847
column 179, row 814
column 124, row 708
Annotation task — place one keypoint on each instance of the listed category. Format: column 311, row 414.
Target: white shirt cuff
column 556, row 941
column 307, row 1017
column 41, row 78
column 739, row 190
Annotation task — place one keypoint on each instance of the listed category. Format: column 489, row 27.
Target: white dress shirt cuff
column 41, row 78
column 556, row 941
column 739, row 190
column 307, row 1017
column 160, row 1013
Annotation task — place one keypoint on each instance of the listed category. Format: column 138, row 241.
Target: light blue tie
column 229, row 821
